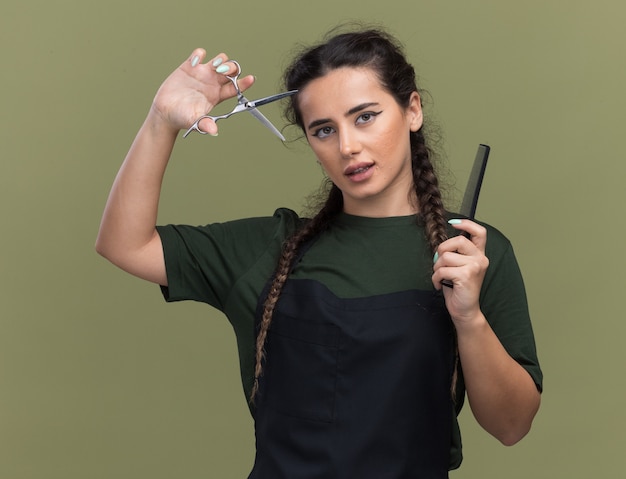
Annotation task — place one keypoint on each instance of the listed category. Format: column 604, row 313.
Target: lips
column 357, row 169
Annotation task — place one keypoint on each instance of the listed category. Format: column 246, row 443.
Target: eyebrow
column 351, row 111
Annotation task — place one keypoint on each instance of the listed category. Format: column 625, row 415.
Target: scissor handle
column 195, row 127
column 235, row 78
column 237, row 109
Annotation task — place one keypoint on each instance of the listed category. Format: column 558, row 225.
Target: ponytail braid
column 431, row 208
column 315, row 226
column 433, row 214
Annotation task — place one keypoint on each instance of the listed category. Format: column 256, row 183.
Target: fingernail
column 217, row 62
column 455, row 222
column 195, row 60
column 222, row 69
column 213, row 134
column 436, row 257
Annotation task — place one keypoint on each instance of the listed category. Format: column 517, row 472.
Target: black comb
column 472, row 190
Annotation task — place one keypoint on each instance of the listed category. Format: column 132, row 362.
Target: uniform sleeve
column 504, row 304
column 203, row 263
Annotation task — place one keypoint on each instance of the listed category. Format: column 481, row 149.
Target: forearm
column 501, row 393
column 129, row 219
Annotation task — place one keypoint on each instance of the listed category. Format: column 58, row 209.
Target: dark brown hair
column 379, row 51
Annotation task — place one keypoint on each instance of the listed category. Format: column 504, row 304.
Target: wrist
column 158, row 125
column 473, row 324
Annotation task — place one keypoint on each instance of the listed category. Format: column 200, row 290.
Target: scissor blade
column 271, row 98
column 250, row 106
column 259, row 116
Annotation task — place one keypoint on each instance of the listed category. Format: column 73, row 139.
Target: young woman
column 354, row 357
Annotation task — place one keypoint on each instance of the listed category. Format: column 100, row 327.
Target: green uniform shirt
column 227, row 265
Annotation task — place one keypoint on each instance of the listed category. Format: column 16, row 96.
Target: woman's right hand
column 127, row 235
column 193, row 89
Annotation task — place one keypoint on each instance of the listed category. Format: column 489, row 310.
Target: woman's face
column 360, row 135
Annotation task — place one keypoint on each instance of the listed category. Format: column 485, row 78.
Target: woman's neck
column 375, row 208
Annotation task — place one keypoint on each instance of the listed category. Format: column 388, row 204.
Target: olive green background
column 99, row 378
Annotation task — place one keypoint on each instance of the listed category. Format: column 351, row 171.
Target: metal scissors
column 243, row 104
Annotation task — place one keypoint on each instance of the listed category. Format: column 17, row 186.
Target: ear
column 414, row 113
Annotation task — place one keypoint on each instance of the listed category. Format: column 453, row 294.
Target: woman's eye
column 367, row 117
column 323, row 132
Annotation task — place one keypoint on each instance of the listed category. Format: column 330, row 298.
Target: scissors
column 243, row 104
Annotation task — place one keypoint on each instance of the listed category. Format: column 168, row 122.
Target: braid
column 315, row 226
column 432, row 211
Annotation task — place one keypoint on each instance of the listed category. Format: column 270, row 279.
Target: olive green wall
column 99, row 378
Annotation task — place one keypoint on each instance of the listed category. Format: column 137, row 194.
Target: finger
column 476, row 232
column 452, row 258
column 218, row 59
column 246, row 82
column 225, row 66
column 229, row 68
column 208, row 125
column 455, row 275
column 450, row 275
column 439, row 277
column 451, row 265
column 196, row 57
column 458, row 244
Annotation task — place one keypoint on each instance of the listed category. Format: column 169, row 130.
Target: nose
column 349, row 143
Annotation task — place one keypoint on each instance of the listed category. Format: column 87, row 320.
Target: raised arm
column 127, row 235
column 503, row 396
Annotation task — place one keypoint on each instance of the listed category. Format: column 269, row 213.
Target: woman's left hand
column 462, row 261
